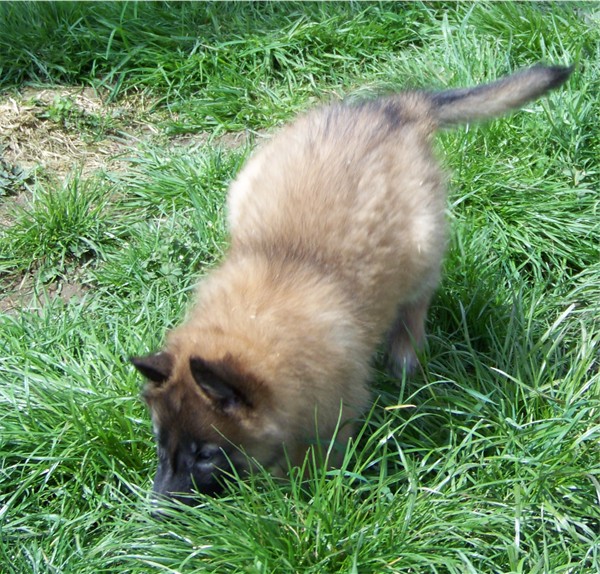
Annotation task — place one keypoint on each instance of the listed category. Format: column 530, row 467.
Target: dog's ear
column 157, row 367
column 218, row 384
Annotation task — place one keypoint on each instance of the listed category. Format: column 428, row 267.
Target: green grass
column 496, row 469
column 63, row 225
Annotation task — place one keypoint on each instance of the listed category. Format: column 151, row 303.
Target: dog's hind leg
column 406, row 337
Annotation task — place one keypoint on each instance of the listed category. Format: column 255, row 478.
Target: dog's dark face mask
column 197, row 425
column 187, row 468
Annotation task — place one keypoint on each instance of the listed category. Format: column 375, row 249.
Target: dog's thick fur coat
column 337, row 236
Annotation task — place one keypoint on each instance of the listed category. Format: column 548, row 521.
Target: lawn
column 121, row 125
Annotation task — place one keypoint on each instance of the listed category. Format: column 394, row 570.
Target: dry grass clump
column 59, row 130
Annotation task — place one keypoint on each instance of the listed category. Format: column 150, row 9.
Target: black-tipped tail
column 491, row 100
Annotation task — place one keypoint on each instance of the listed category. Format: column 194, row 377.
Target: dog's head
column 208, row 420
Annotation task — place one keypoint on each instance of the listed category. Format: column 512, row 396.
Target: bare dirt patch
column 55, row 131
column 25, row 294
column 59, row 130
column 50, row 133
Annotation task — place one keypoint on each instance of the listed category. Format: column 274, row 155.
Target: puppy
column 337, row 236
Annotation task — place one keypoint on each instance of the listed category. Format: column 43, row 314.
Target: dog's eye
column 205, row 452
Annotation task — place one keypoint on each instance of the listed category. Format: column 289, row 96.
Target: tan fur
column 337, row 236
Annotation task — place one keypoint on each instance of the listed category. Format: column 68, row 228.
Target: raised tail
column 491, row 100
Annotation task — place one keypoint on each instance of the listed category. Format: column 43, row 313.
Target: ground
column 50, row 133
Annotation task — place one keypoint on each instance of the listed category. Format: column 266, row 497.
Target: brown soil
column 24, row 294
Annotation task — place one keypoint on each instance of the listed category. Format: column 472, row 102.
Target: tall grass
column 496, row 467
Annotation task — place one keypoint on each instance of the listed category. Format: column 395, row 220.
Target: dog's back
column 356, row 190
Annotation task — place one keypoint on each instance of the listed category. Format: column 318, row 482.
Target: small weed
column 12, row 178
column 61, row 110
column 65, row 112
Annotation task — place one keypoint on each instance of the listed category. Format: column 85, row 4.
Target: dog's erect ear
column 212, row 378
column 156, row 368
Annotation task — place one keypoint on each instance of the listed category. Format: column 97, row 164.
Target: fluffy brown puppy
column 337, row 236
